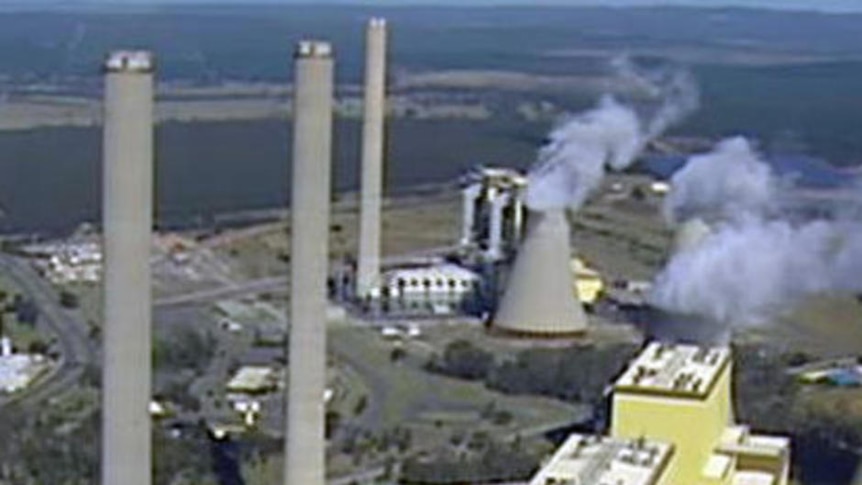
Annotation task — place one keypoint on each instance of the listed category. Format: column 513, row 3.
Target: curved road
column 68, row 326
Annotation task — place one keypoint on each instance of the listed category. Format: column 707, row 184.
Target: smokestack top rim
column 313, row 49
column 129, row 61
column 377, row 22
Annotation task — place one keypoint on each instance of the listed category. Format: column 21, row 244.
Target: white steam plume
column 675, row 91
column 579, row 151
column 730, row 181
column 747, row 271
column 847, row 262
column 756, row 262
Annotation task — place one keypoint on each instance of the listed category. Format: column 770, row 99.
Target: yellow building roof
column 674, row 369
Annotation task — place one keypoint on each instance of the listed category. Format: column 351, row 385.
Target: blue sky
column 822, row 5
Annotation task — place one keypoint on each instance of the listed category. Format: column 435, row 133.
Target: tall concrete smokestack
column 127, row 214
column 309, row 255
column 374, row 107
column 540, row 299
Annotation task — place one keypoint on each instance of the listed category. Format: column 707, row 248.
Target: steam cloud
column 611, row 135
column 757, row 261
column 727, row 183
column 746, row 271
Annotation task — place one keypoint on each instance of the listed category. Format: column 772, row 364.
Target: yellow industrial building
column 588, row 282
column 672, row 424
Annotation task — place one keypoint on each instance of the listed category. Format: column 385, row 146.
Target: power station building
column 493, row 212
column 439, row 289
column 672, row 424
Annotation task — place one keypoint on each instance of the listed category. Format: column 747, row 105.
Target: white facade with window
column 444, row 282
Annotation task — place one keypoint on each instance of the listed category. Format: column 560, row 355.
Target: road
column 236, row 290
column 69, row 327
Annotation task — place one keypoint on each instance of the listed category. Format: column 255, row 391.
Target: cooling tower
column 539, row 300
column 690, row 234
column 127, row 222
column 309, row 255
column 368, row 272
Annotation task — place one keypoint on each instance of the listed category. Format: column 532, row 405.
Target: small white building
column 448, row 282
column 17, row 371
column 660, row 187
column 253, row 380
column 439, row 288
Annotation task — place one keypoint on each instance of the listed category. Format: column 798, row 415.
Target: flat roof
column 774, row 447
column 594, row 460
column 499, row 176
column 253, row 379
column 675, row 369
column 717, row 466
column 442, row 272
column 753, row 478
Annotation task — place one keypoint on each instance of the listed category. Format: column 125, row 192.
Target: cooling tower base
column 497, row 331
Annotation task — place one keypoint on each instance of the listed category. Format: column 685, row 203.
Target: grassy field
column 409, row 225
column 827, row 401
column 413, row 396
column 823, row 326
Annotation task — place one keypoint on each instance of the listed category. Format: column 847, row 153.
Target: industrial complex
column 513, row 278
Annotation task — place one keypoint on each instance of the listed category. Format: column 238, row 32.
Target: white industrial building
column 438, row 288
column 442, row 280
column 17, row 371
